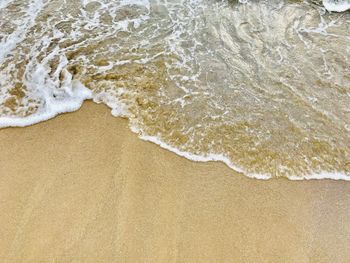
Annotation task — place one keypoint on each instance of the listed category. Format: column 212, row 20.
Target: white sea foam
column 336, row 5
column 53, row 107
column 225, row 160
column 322, row 175
column 4, row 3
column 330, row 5
column 25, row 22
column 202, row 158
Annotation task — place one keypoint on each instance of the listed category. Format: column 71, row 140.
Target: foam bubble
column 26, row 21
column 228, row 162
column 75, row 95
column 336, row 5
column 202, row 158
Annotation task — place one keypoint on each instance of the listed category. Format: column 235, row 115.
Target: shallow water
column 263, row 86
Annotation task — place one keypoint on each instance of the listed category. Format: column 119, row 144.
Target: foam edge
column 225, row 160
column 53, row 108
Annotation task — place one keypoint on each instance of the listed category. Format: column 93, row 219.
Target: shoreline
column 82, row 187
column 37, row 119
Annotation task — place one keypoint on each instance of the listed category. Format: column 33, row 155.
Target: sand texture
column 83, row 188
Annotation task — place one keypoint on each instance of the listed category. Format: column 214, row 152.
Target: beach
column 83, row 188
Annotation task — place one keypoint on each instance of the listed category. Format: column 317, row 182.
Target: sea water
column 263, row 86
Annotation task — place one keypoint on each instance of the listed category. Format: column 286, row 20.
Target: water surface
column 263, row 86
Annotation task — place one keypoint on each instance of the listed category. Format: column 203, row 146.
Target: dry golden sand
column 83, row 188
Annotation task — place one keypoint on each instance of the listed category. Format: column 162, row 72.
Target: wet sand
column 83, row 188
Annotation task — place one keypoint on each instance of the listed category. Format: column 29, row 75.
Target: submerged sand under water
column 264, row 87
